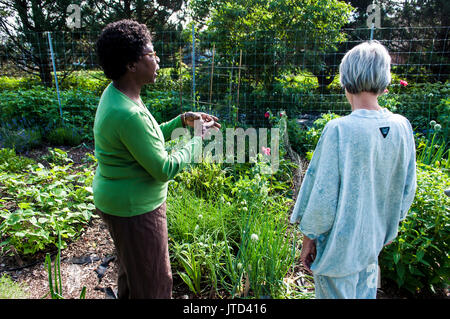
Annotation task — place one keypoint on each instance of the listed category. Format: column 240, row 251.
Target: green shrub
column 40, row 108
column 57, row 156
column 90, row 81
column 418, row 259
column 20, row 139
column 304, row 141
column 168, row 80
column 443, row 110
column 419, row 103
column 208, row 180
column 18, row 83
column 164, row 106
column 64, row 136
column 10, row 162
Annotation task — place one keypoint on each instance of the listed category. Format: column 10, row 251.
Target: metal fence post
column 193, row 64
column 56, row 77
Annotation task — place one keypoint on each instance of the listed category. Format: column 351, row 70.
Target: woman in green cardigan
column 130, row 184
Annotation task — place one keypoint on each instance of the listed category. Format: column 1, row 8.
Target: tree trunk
column 45, row 71
column 43, row 58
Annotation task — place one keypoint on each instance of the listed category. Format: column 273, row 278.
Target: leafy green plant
column 217, row 242
column 207, row 179
column 38, row 105
column 57, row 156
column 164, row 106
column 205, row 224
column 193, row 257
column 305, row 140
column 17, row 83
column 9, row 289
column 433, row 149
column 92, row 81
column 419, row 103
column 40, row 108
column 266, row 253
column 418, row 259
column 41, row 201
column 11, row 163
column 443, row 117
column 196, row 237
column 79, row 100
column 193, row 273
column 434, row 153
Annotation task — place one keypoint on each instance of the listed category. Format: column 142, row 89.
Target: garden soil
column 90, row 261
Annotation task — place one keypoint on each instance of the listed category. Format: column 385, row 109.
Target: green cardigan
column 133, row 165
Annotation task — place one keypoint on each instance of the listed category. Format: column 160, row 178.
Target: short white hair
column 366, row 68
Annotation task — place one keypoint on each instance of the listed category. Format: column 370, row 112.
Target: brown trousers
column 142, row 250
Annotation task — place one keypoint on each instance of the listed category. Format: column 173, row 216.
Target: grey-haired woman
column 359, row 184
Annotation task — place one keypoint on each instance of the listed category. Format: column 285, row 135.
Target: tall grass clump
column 229, row 229
column 433, row 149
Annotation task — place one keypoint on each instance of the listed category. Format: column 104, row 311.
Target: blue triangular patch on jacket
column 384, row 131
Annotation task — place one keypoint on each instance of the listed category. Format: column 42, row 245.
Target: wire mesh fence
column 242, row 78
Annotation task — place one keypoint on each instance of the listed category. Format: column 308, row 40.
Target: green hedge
column 38, row 109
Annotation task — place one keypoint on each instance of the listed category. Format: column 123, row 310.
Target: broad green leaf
column 397, row 257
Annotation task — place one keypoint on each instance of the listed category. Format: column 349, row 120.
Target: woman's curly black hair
column 120, row 43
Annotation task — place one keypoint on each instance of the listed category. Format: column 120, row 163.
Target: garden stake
column 56, row 77
column 239, row 84
column 193, row 65
column 212, row 74
column 181, row 83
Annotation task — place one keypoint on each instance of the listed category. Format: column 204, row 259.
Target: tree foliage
column 27, row 41
column 414, row 27
column 155, row 14
column 270, row 32
column 25, row 31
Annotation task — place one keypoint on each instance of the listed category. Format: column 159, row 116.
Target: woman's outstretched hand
column 190, row 117
column 200, row 121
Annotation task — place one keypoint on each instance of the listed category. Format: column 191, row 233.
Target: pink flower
column 386, row 91
column 404, row 83
column 266, row 115
column 281, row 114
column 266, row 150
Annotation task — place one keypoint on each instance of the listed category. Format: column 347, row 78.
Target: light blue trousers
column 361, row 285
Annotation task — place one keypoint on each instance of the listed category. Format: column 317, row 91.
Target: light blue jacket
column 359, row 185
